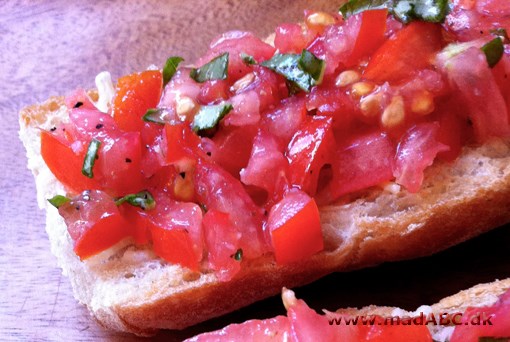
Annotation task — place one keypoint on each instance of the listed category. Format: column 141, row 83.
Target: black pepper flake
column 209, row 153
column 53, row 129
column 128, row 160
column 63, row 129
column 77, row 207
column 78, row 104
column 183, row 174
column 481, row 32
column 99, row 126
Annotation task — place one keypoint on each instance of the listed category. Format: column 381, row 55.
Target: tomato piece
column 139, row 223
column 180, row 146
column 289, row 38
column 478, row 89
column 472, row 325
column 219, row 190
column 365, row 161
column 295, row 228
column 308, row 151
column 410, row 49
column 176, row 230
column 213, row 91
column 65, row 164
column 381, row 332
column 94, row 223
column 284, row 120
column 267, row 167
column 222, row 241
column 454, row 129
column 246, row 109
column 79, row 99
column 370, row 36
column 135, row 94
column 416, row 151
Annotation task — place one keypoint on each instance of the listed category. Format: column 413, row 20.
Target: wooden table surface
column 52, row 47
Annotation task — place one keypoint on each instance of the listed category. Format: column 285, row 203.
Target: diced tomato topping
column 289, row 38
column 363, row 162
column 64, row 163
column 410, row 49
column 136, row 94
column 478, row 88
column 370, row 36
column 219, row 190
column 295, row 228
column 416, row 151
column 285, row 119
column 472, row 326
column 79, row 99
column 308, row 151
column 139, row 223
column 222, row 241
column 180, row 146
column 94, row 223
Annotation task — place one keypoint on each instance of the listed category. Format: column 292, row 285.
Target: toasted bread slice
column 130, row 289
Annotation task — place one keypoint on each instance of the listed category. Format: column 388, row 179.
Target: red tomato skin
column 410, row 49
column 500, row 312
column 219, row 190
column 295, row 228
column 93, row 222
column 175, row 246
column 180, row 145
column 365, row 161
column 289, row 38
column 222, row 241
column 308, row 151
column 65, row 164
column 370, row 36
column 139, row 223
column 135, row 94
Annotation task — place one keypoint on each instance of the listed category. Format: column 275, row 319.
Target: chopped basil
column 58, row 200
column 143, row 199
column 170, row 68
column 434, row 11
column 155, row 115
column 209, row 116
column 238, row 256
column 214, row 70
column 304, row 70
column 353, row 7
column 90, row 158
column 500, row 32
column 493, row 51
column 247, row 59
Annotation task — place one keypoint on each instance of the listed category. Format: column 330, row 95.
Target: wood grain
column 53, row 47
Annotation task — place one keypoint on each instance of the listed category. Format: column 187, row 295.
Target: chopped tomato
column 219, row 190
column 289, row 38
column 474, row 322
column 477, row 87
column 308, row 151
column 222, row 241
column 138, row 222
column 295, row 228
column 246, row 109
column 284, row 120
column 213, row 91
column 370, row 36
column 79, row 99
column 135, row 94
column 416, row 151
column 64, row 163
column 363, row 162
column 94, row 223
column 409, row 50
column 176, row 230
column 180, row 146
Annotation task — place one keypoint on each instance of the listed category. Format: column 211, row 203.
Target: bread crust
column 457, row 202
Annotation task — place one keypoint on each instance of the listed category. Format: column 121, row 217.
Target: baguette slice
column 482, row 295
column 130, row 289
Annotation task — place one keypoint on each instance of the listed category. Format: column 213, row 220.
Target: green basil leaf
column 502, row 33
column 209, row 116
column 247, row 59
column 90, row 158
column 170, row 68
column 493, row 50
column 143, row 199
column 353, row 7
column 155, row 115
column 433, row 11
column 58, row 200
column 214, row 70
column 304, row 70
